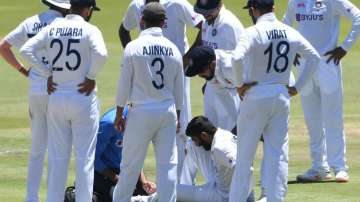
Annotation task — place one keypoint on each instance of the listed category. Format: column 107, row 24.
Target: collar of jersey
column 155, row 31
column 267, row 17
column 74, row 17
column 214, row 139
column 54, row 12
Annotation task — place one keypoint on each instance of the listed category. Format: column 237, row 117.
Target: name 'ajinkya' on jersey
column 319, row 22
column 152, row 71
column 268, row 49
column 75, row 50
column 179, row 13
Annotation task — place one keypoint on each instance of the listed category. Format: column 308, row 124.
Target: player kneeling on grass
column 222, row 146
column 108, row 158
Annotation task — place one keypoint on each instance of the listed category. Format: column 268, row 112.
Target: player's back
column 157, row 65
column 70, row 44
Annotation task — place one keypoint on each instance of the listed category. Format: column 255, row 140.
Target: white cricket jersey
column 268, row 49
column 223, row 153
column 152, row 71
column 319, row 22
column 75, row 50
column 26, row 30
column 179, row 13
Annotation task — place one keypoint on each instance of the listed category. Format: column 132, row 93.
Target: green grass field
column 14, row 122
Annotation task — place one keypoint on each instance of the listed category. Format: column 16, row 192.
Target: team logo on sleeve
column 214, row 32
column 119, row 143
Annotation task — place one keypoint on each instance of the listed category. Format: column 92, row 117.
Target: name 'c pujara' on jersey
column 66, row 31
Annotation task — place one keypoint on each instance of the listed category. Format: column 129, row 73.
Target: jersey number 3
column 158, row 72
column 282, row 51
column 69, row 52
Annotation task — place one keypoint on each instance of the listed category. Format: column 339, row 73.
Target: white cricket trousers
column 145, row 123
column 73, row 120
column 200, row 193
column 323, row 111
column 221, row 106
column 268, row 116
column 39, row 139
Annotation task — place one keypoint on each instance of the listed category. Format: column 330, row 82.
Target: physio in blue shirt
column 108, row 158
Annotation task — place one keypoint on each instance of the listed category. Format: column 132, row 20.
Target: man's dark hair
column 200, row 124
column 153, row 22
column 265, row 10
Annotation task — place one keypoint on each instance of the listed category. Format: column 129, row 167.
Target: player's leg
column 209, row 108
column 276, row 150
column 189, row 169
column 166, row 156
column 263, row 172
column 60, row 143
column 226, row 104
column 39, row 137
column 201, row 193
column 332, row 109
column 135, row 144
column 85, row 124
column 251, row 122
column 313, row 117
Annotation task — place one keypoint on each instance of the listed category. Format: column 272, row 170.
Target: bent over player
column 38, row 98
column 322, row 101
column 152, row 81
column 76, row 53
column 268, row 49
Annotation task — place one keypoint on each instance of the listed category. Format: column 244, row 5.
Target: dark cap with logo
column 199, row 58
column 154, row 11
column 85, row 3
column 206, row 6
column 259, row 4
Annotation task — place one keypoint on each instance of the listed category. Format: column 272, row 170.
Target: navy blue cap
column 85, row 3
column 206, row 6
column 199, row 58
column 259, row 4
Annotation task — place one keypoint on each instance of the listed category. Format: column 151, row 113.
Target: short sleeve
column 130, row 22
column 189, row 16
column 17, row 37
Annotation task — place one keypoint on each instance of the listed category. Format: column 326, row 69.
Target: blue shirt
column 109, row 143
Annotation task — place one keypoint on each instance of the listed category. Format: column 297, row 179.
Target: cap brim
column 95, row 8
column 246, row 7
column 57, row 4
column 203, row 11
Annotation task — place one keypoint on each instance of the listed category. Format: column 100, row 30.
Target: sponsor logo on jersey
column 301, row 5
column 309, row 17
column 210, row 44
column 66, row 31
column 214, row 32
column 158, row 50
column 119, row 143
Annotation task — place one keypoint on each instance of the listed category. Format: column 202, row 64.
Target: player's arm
column 123, row 89
column 179, row 88
column 98, row 56
column 147, row 185
column 312, row 58
column 289, row 16
column 225, row 157
column 129, row 22
column 352, row 13
column 124, row 35
column 29, row 49
column 8, row 55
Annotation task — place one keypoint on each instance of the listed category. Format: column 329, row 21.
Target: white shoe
column 314, row 176
column 341, row 176
column 262, row 199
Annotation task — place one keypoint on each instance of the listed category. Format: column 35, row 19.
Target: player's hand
column 178, row 126
column 297, row 60
column 244, row 88
column 149, row 187
column 292, row 90
column 87, row 86
column 51, row 86
column 119, row 124
column 24, row 71
column 337, row 54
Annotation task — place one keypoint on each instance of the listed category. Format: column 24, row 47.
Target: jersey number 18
column 282, row 51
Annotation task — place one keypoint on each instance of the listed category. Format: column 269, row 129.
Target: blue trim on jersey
column 109, row 142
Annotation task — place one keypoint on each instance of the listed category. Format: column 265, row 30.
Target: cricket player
column 151, row 80
column 76, row 52
column 179, row 13
column 268, row 49
column 221, row 30
column 38, row 98
column 322, row 101
column 221, row 144
column 108, row 157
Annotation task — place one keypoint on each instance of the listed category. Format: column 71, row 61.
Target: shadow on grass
column 310, row 182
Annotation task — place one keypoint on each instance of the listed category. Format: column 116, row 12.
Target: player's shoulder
column 136, row 4
column 229, row 21
column 174, row 3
